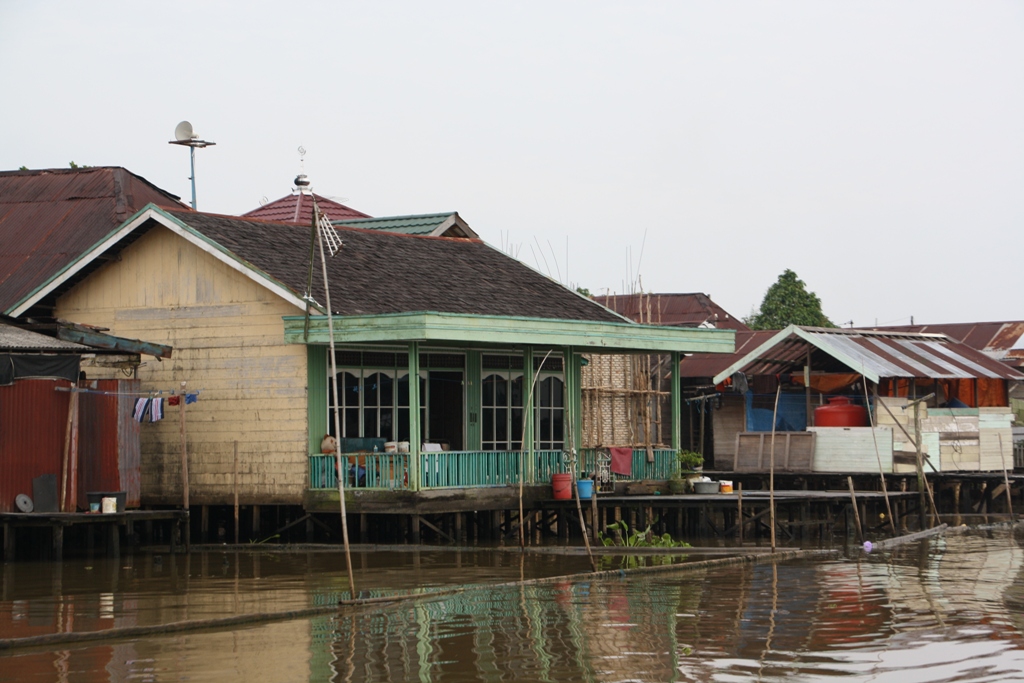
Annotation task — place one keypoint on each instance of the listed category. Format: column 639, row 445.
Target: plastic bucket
column 585, row 487
column 725, row 486
column 561, row 486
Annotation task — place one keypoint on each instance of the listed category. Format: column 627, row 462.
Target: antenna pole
column 192, row 156
column 342, row 473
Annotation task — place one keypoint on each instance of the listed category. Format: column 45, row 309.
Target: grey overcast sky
column 876, row 148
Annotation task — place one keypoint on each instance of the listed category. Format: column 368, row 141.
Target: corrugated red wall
column 33, row 423
column 108, row 440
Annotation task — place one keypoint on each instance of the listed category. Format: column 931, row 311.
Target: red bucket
column 561, row 485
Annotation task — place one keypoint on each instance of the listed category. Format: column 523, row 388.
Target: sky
column 875, row 148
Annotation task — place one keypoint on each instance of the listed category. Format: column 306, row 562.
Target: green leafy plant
column 620, row 535
column 687, row 462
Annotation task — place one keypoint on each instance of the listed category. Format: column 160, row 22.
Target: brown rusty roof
column 298, row 208
column 48, row 218
column 996, row 339
column 705, row 365
column 873, row 354
column 684, row 310
column 379, row 272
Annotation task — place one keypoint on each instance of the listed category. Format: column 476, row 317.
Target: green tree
column 787, row 302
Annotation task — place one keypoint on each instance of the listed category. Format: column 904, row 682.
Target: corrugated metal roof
column 448, row 224
column 873, row 354
column 16, row 339
column 298, row 208
column 685, row 310
column 703, row 365
column 997, row 339
column 48, row 218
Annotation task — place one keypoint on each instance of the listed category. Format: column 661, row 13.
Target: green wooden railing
column 471, row 469
column 365, row 471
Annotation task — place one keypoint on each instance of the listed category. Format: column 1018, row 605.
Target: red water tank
column 840, row 412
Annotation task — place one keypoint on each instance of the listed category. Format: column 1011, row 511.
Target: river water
column 947, row 609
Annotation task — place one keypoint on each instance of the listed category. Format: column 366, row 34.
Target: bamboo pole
column 878, row 456
column 184, row 447
column 522, row 442
column 236, row 492
column 73, row 456
column 1006, row 477
column 67, row 452
column 856, row 512
column 337, row 397
column 771, row 471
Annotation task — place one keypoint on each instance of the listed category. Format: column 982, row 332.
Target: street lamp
column 184, row 135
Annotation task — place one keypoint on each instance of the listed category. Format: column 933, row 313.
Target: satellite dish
column 24, row 503
column 183, row 132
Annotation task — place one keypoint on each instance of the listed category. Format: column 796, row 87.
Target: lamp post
column 185, row 136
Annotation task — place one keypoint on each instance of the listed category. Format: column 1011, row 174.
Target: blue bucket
column 585, row 487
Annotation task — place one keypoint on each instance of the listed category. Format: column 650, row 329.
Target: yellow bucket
column 725, row 486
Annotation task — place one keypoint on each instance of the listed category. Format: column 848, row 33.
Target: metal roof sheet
column 448, row 224
column 686, row 310
column 871, row 353
column 298, row 208
column 997, row 339
column 702, row 365
column 16, row 339
column 48, row 218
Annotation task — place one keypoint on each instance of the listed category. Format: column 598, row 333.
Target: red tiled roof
column 682, row 310
column 48, row 218
column 298, row 208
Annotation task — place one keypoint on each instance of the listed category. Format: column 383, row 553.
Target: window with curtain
column 374, row 404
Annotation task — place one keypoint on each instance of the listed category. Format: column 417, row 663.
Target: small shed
column 778, row 382
column 63, row 435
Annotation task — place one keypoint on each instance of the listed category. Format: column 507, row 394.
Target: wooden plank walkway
column 111, row 522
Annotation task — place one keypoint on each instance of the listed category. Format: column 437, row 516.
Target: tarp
column 37, row 366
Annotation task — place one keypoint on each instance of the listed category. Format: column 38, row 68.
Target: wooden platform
column 110, row 523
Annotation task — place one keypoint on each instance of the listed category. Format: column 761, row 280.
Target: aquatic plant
column 620, row 535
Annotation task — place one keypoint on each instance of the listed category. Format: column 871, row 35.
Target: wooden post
column 739, row 510
column 236, row 492
column 184, row 447
column 677, row 403
column 72, row 405
column 771, row 471
column 856, row 512
column 807, row 390
column 1006, row 477
column 920, row 464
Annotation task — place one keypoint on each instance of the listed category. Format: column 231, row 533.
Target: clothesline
column 143, row 394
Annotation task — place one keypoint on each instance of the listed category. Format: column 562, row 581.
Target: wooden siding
column 852, row 449
column 728, row 421
column 228, row 340
column 793, row 451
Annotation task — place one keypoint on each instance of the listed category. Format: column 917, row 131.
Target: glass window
column 502, row 411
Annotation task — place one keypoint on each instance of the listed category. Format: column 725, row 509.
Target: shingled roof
column 48, row 218
column 379, row 272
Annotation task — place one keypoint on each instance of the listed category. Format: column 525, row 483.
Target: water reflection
column 949, row 609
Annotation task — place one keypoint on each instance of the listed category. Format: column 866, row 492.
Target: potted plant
column 688, row 464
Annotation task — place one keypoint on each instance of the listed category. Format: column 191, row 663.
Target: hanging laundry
column 156, row 411
column 141, row 408
column 173, row 400
column 191, row 398
column 622, row 461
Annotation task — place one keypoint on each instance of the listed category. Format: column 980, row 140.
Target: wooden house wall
column 227, row 335
column 727, row 421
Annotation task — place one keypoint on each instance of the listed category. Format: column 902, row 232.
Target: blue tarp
column 792, row 414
